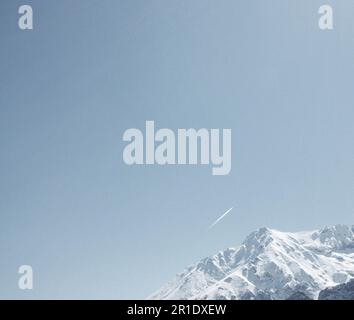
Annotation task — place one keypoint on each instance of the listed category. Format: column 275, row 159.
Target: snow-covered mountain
column 270, row 265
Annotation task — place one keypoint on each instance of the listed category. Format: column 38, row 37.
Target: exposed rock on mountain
column 340, row 292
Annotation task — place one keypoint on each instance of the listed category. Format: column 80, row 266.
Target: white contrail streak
column 220, row 218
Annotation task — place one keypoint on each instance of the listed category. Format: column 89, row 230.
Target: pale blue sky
column 90, row 226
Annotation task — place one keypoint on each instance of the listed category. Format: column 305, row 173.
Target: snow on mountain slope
column 269, row 265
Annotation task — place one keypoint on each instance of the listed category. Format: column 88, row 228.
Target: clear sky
column 92, row 227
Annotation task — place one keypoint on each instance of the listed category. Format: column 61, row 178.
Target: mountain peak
column 338, row 237
column 260, row 235
column 260, row 240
